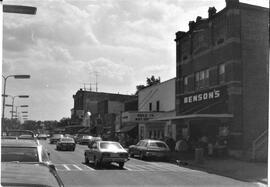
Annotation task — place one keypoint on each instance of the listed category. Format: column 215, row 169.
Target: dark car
column 30, row 151
column 28, row 174
column 55, row 137
column 85, row 140
column 42, row 136
column 106, row 152
column 66, row 143
column 149, row 149
column 78, row 137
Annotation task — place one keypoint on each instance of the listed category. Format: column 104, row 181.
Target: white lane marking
column 77, row 167
column 89, row 168
column 66, row 167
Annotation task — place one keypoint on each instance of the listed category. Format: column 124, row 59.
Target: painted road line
column 65, row 166
column 77, row 167
column 89, row 168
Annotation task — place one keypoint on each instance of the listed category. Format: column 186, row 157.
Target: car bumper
column 116, row 159
column 156, row 154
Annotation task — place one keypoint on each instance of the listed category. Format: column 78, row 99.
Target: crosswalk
column 129, row 167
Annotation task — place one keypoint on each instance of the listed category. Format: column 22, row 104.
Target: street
column 74, row 173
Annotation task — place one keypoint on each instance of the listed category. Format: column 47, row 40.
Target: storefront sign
column 213, row 94
column 201, row 99
column 139, row 117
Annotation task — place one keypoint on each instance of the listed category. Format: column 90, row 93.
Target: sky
column 69, row 44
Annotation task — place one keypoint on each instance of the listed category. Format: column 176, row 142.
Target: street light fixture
column 4, row 94
column 24, row 105
column 19, row 9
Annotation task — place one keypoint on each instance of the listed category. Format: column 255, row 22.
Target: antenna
column 96, row 74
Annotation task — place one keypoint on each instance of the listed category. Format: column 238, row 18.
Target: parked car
column 66, row 143
column 29, row 151
column 93, row 140
column 101, row 152
column 42, row 137
column 55, row 137
column 85, row 140
column 19, row 134
column 25, row 174
column 149, row 149
column 78, row 137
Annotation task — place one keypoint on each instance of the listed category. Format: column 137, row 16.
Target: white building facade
column 155, row 102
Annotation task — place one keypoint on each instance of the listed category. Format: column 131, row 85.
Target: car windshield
column 20, row 154
column 67, row 140
column 110, row 145
column 157, row 144
column 87, row 137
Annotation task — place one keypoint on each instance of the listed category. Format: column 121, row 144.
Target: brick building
column 222, row 76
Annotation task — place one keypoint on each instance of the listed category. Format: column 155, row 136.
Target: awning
column 194, row 116
column 127, row 128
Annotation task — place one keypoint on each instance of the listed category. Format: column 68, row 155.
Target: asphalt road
column 74, row 173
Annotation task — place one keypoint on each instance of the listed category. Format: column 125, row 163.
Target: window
column 206, row 81
column 202, row 79
column 157, row 106
column 150, row 106
column 197, row 80
column 221, row 73
column 185, row 83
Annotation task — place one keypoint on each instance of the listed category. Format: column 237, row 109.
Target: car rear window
column 106, row 145
column 67, row 139
column 157, row 144
column 20, row 154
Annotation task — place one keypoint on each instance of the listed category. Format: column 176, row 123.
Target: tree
column 152, row 80
column 149, row 82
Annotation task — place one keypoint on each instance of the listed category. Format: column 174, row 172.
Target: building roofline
column 157, row 84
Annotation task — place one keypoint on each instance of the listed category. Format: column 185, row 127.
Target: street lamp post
column 4, row 92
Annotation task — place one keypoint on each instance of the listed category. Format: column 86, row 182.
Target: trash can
column 199, row 155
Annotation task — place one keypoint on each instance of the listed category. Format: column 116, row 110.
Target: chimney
column 211, row 11
column 191, row 25
column 199, row 18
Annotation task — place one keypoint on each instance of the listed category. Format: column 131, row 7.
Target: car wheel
column 131, row 154
column 97, row 163
column 73, row 149
column 121, row 164
column 86, row 160
column 142, row 157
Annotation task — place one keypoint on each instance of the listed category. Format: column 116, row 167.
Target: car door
column 137, row 147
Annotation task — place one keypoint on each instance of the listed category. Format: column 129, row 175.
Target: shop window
column 150, row 106
column 201, row 79
column 221, row 73
column 157, row 106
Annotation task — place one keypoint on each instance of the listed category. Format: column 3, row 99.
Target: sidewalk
column 229, row 167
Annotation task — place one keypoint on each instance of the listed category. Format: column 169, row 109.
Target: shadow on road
column 112, row 166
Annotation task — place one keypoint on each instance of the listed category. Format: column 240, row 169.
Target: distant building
column 101, row 105
column 222, row 77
